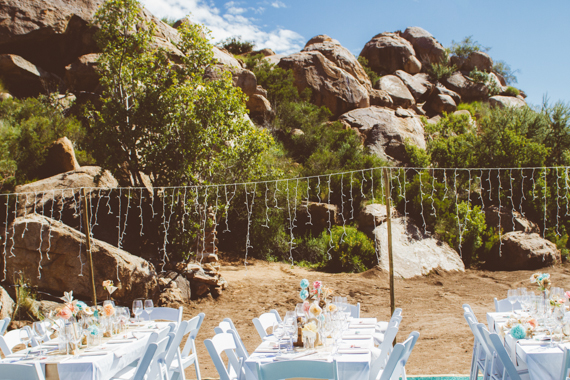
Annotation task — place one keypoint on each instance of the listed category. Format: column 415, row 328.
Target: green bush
column 235, row 45
column 502, row 68
column 168, row 21
column 479, row 76
column 512, row 91
column 467, row 46
column 351, row 250
column 27, row 129
column 372, row 75
column 474, row 108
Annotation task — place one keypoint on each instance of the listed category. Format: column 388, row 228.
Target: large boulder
column 23, row 78
column 510, row 220
column 478, row 59
column 6, row 304
column 331, row 86
column 81, row 74
column 49, row 33
column 440, row 103
column 506, row 102
column 426, row 47
column 439, row 89
column 522, row 251
column 60, row 158
column 466, row 87
column 341, row 56
column 385, row 131
column 381, row 98
column 259, row 108
column 419, row 85
column 225, row 59
column 397, row 90
column 413, row 253
column 53, row 257
column 388, row 52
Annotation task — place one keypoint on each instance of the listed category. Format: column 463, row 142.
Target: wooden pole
column 88, row 235
column 390, row 257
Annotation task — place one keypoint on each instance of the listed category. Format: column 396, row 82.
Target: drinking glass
column 278, row 332
column 39, row 329
column 25, row 338
column 512, row 296
column 550, row 323
column 137, row 309
column 148, row 306
column 108, row 302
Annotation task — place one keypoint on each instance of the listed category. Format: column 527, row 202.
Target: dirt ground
column 431, row 305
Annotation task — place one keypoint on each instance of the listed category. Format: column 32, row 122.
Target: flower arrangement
column 72, row 308
column 542, row 280
column 318, row 293
column 520, row 328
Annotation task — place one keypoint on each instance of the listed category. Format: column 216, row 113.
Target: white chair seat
column 382, row 326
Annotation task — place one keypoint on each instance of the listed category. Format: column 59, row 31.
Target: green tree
column 161, row 118
column 467, row 46
column 236, row 45
column 27, row 129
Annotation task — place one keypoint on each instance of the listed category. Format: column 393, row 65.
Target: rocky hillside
column 48, row 46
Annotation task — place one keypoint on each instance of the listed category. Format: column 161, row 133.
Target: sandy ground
column 431, row 305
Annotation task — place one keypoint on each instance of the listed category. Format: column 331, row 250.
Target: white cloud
column 232, row 22
column 278, row 4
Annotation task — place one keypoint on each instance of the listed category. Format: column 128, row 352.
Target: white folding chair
column 380, row 336
column 227, row 326
column 188, row 356
column 301, row 368
column 151, row 363
column 17, row 371
column 481, row 357
column 263, row 322
column 225, row 343
column 385, row 346
column 11, row 340
column 396, row 365
column 383, row 325
column 5, row 326
column 164, row 313
column 354, row 310
column 565, row 364
column 506, row 369
column 503, row 306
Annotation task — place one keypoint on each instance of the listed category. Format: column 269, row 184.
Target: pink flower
column 109, row 310
column 317, row 284
column 64, row 313
column 306, row 306
column 533, row 323
column 567, row 294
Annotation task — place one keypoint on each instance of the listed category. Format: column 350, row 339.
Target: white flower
column 67, row 297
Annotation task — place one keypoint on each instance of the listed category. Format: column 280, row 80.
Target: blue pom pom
column 518, row 332
column 303, row 294
column 304, row 283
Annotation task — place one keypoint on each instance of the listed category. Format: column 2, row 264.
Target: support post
column 389, row 224
column 86, row 209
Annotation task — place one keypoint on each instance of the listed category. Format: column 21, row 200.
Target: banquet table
column 355, row 355
column 543, row 362
column 96, row 363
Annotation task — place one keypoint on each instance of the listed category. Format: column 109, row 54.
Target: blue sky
column 533, row 37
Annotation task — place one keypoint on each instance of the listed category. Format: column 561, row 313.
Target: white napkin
column 353, row 351
column 95, row 353
column 115, row 341
column 356, row 336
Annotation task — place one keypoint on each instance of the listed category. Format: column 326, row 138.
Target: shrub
column 350, row 250
column 372, row 75
column 512, row 91
column 168, row 21
column 467, row 46
column 27, row 129
column 479, row 76
column 441, row 70
column 235, row 45
column 474, row 108
column 502, row 68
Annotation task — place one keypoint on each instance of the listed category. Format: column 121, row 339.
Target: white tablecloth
column 543, row 363
column 350, row 366
column 103, row 367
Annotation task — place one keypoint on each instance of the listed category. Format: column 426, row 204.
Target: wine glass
column 137, row 309
column 40, row 330
column 25, row 338
column 512, row 296
column 278, row 332
column 148, row 307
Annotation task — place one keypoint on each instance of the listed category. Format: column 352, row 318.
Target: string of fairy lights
column 208, row 206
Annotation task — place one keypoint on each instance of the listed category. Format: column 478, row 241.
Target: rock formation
column 523, row 251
